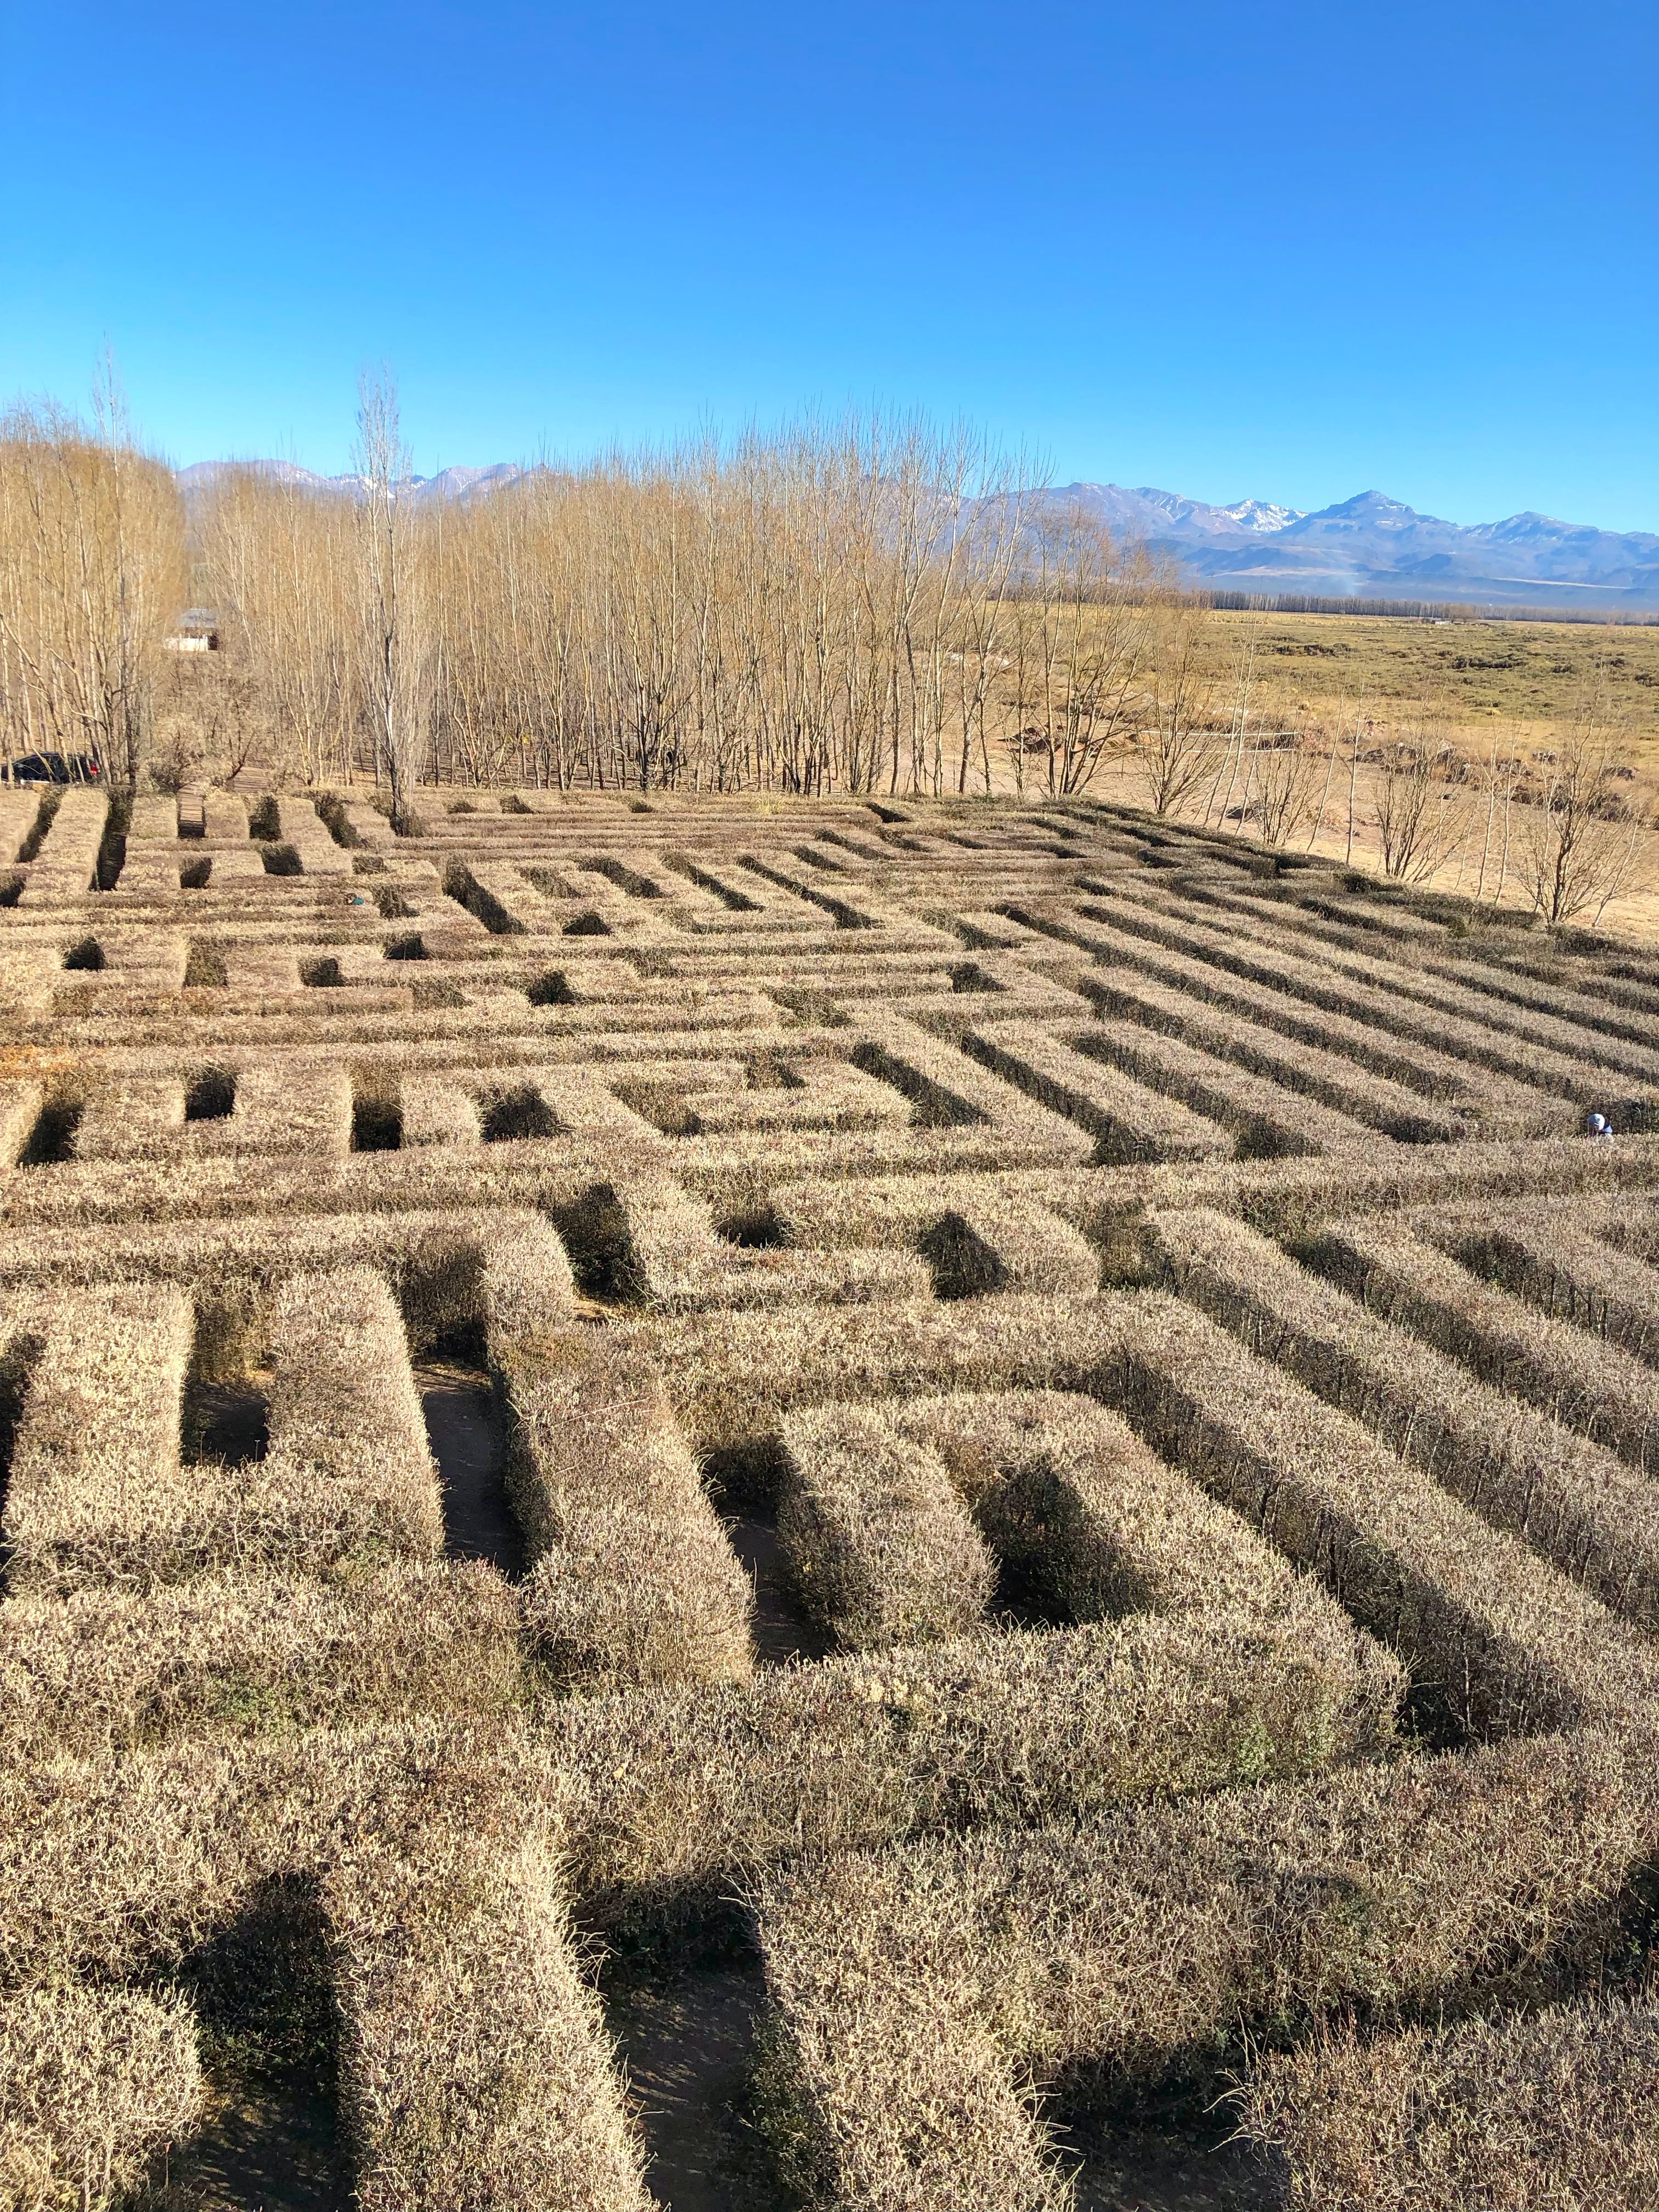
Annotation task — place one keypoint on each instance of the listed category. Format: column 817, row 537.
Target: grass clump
column 95, row 2085
column 1556, row 2109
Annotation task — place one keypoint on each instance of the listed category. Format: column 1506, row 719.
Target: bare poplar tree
column 398, row 631
column 1284, row 774
column 1238, row 721
column 1420, row 815
column 280, row 562
column 1581, row 843
column 1500, row 773
column 1333, row 741
column 93, row 575
column 1183, row 739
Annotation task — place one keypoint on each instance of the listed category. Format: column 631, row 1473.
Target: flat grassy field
column 1470, row 674
column 726, row 1504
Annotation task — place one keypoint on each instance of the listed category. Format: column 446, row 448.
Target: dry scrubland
column 1527, row 674
column 1080, row 1426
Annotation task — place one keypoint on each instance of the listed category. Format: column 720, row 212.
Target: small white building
column 197, row 632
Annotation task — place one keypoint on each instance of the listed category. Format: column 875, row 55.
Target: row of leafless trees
column 877, row 603
column 1564, row 827
column 872, row 604
column 93, row 574
column 868, row 604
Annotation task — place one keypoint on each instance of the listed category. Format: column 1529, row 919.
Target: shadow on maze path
column 688, row 2043
column 263, row 1994
column 779, row 1629
column 272, row 2149
column 1144, row 2170
column 463, row 1428
column 227, row 1421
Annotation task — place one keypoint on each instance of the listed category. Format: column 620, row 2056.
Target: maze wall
column 1045, row 1428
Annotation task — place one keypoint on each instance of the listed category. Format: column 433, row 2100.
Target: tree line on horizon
column 878, row 604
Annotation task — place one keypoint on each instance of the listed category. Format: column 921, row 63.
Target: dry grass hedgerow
column 682, row 1790
column 96, row 1493
column 1267, row 1119
column 790, row 1179
column 289, row 1108
column 1023, row 1246
column 1295, row 997
column 1129, row 1120
column 1195, row 1650
column 1587, row 1383
column 1496, row 1641
column 921, row 1991
column 235, row 1652
column 632, row 1579
column 93, row 2085
column 1560, row 2109
column 733, row 1375
column 1536, row 1048
column 99, row 1494
column 1560, row 1256
column 1573, row 1502
column 881, row 1546
column 476, row 2068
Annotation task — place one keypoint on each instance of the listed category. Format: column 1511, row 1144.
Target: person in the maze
column 1599, row 1129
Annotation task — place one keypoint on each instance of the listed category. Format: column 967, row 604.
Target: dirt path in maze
column 464, row 1427
column 1144, row 2170
column 274, row 2148
column 779, row 1629
column 688, row 2043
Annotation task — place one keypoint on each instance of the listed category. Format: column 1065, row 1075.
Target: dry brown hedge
column 1303, row 1065
column 1582, row 1380
column 1299, row 999
column 1496, row 1641
column 1572, row 1501
column 1552, row 1255
column 105, row 1669
column 1250, row 1670
column 96, row 1492
column 633, row 1580
column 882, row 1549
column 476, row 2070
column 1559, row 2110
column 920, row 1991
column 94, row 2085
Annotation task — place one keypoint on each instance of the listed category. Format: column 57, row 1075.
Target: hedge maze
column 841, row 1504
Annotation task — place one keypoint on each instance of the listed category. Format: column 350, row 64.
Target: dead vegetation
column 1498, row 2115
column 1144, row 1325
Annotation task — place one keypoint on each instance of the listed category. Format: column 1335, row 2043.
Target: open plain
column 925, row 1506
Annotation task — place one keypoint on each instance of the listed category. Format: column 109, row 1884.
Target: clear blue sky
column 1284, row 251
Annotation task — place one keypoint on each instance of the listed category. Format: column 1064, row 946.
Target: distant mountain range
column 1370, row 546
column 448, row 483
column 1374, row 547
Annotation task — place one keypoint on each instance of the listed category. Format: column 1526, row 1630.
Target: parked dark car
column 53, row 768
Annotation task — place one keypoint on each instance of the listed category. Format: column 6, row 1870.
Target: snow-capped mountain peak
column 1368, row 546
column 1262, row 515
